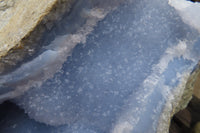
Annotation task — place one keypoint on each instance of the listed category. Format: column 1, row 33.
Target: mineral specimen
column 119, row 67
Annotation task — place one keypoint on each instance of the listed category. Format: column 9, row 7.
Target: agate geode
column 119, row 66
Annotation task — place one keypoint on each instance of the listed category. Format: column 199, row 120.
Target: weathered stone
column 21, row 24
column 182, row 96
column 197, row 87
column 5, row 4
column 18, row 20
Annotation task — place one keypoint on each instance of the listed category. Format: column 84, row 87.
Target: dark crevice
column 188, row 119
column 185, row 120
column 195, row 0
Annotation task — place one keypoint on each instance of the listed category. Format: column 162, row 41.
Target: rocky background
column 22, row 23
column 188, row 120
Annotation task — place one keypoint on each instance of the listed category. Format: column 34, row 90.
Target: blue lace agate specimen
column 108, row 69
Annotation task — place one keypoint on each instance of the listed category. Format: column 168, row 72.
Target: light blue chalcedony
column 124, row 66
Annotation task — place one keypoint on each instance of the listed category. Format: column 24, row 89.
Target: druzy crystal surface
column 110, row 67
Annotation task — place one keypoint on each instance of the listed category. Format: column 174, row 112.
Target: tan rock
column 197, row 87
column 18, row 18
column 21, row 22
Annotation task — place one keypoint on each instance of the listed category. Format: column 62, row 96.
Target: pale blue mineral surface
column 103, row 69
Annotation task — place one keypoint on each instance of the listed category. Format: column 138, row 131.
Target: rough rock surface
column 18, row 18
column 21, row 24
column 197, row 86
